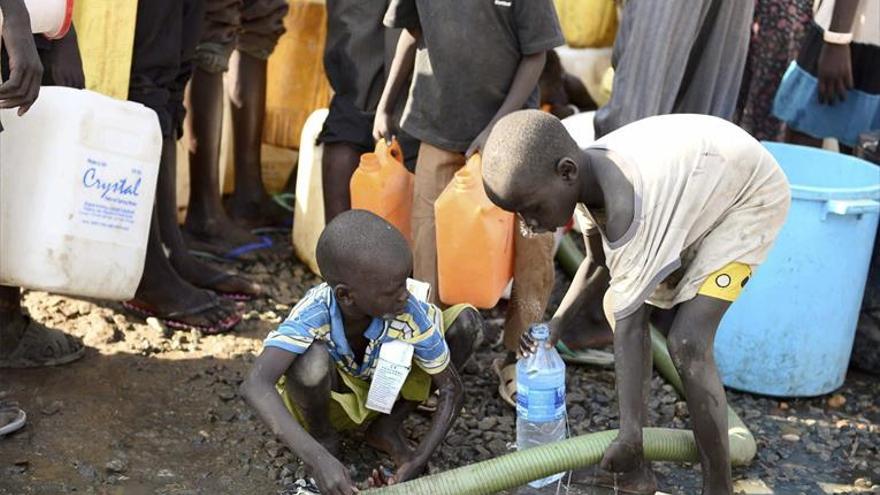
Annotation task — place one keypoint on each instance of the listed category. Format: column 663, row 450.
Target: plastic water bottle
column 540, row 399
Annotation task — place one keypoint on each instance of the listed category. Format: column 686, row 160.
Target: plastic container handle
column 844, row 207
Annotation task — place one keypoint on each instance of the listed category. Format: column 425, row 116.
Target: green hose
column 518, row 468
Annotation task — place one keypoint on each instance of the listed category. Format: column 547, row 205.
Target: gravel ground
column 150, row 410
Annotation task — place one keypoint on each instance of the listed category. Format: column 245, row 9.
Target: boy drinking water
column 683, row 208
column 325, row 355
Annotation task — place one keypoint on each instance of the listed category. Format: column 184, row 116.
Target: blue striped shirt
column 317, row 317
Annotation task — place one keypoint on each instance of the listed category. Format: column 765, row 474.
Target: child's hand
column 527, row 346
column 379, row 477
column 25, row 69
column 835, row 73
column 479, row 143
column 382, row 127
column 333, row 478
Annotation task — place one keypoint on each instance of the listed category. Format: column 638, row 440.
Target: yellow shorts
column 348, row 410
column 727, row 283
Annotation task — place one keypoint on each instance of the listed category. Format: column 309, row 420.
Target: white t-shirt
column 706, row 194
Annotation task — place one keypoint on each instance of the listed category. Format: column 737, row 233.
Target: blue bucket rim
column 828, row 193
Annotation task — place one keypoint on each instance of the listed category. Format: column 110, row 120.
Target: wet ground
column 151, row 410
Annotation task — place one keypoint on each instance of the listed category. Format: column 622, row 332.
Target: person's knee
column 688, row 347
column 464, row 334
column 312, row 369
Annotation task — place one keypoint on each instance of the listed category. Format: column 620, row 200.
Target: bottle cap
column 540, row 331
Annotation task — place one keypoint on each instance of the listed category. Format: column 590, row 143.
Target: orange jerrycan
column 474, row 241
column 382, row 185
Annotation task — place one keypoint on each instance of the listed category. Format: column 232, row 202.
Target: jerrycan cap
column 540, row 331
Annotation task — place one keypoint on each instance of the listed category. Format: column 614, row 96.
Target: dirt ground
column 155, row 411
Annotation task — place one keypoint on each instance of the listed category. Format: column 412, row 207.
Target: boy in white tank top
column 685, row 207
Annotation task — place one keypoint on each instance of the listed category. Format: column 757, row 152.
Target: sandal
column 506, row 380
column 12, row 418
column 176, row 319
column 589, row 357
column 240, row 253
column 40, row 346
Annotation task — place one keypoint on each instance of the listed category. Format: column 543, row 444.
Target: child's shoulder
column 315, row 303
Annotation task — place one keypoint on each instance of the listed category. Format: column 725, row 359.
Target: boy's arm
column 835, row 62
column 25, row 69
column 401, row 70
column 524, row 83
column 260, row 393
column 451, row 398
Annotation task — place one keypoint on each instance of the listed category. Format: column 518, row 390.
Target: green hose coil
column 518, row 468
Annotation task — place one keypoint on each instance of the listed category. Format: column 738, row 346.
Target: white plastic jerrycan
column 308, row 211
column 77, row 182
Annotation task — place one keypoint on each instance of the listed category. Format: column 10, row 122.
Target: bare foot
column 622, row 456
column 222, row 237
column 205, row 276
column 588, row 329
column 253, row 214
column 388, row 437
column 640, row 481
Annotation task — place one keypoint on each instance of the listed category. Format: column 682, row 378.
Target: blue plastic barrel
column 791, row 332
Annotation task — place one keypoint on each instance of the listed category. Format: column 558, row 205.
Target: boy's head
column 530, row 167
column 366, row 261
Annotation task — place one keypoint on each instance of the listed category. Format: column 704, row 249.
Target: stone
column 116, row 466
column 226, row 393
column 100, row 333
column 836, row 401
column 53, row 408
column 791, row 437
column 498, row 446
column 487, row 423
column 88, row 472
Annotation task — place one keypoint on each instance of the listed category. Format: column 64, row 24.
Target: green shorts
column 348, row 410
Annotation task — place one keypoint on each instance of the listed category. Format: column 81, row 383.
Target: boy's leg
column 207, row 226
column 632, row 369
column 691, row 343
column 156, row 65
column 262, row 24
column 339, row 162
column 533, row 275
column 435, row 168
column 346, row 135
column 309, row 382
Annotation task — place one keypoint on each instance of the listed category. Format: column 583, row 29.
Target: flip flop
column 173, row 319
column 234, row 254
column 40, row 346
column 17, row 423
column 589, row 357
column 285, row 200
column 506, row 380
column 430, row 404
